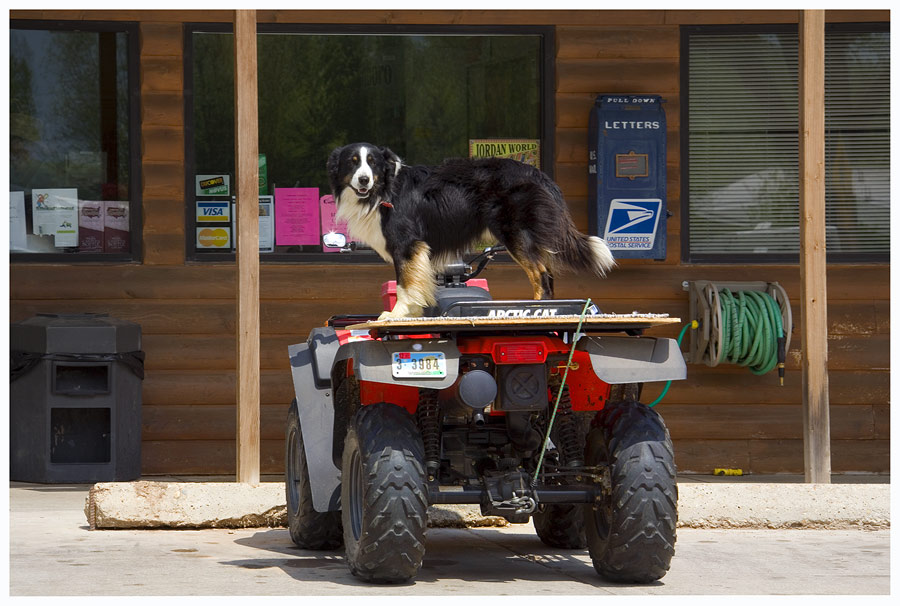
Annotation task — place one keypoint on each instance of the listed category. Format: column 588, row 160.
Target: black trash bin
column 75, row 399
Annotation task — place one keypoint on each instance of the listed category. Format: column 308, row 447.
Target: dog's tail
column 581, row 252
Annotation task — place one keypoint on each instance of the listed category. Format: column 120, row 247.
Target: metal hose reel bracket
column 709, row 340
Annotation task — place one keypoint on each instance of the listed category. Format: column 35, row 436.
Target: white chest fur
column 364, row 222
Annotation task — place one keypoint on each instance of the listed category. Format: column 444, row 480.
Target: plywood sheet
column 600, row 321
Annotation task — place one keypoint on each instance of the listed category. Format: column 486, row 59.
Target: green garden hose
column 694, row 324
column 746, row 329
column 752, row 332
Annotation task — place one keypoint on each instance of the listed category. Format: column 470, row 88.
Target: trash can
column 75, row 399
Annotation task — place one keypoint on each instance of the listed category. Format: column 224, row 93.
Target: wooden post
column 247, row 222
column 814, row 327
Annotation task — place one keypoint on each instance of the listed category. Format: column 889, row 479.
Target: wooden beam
column 814, row 326
column 246, row 156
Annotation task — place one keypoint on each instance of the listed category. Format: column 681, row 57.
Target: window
column 74, row 141
column 425, row 93
column 740, row 180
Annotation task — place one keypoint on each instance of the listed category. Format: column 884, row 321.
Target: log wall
column 722, row 417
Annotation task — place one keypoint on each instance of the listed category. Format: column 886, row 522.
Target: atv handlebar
column 482, row 259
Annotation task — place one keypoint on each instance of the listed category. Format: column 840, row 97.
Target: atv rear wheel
column 309, row 529
column 631, row 530
column 383, row 499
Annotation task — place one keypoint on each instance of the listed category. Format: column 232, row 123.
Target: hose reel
column 746, row 323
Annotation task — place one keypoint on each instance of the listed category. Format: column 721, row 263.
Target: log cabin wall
column 718, row 417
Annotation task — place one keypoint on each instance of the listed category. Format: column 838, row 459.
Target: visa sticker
column 213, row 212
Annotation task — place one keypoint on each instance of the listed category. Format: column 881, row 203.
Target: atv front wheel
column 383, row 498
column 560, row 525
column 631, row 530
column 309, row 529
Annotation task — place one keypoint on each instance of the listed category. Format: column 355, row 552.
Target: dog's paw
column 388, row 315
column 401, row 311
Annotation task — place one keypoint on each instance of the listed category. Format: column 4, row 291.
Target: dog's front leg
column 415, row 283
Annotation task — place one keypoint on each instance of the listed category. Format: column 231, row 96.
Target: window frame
column 547, row 86
column 744, row 258
column 135, row 162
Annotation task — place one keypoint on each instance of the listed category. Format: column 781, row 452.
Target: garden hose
column 751, row 331
column 747, row 327
column 693, row 324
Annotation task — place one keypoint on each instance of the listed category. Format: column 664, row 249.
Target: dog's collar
column 386, row 204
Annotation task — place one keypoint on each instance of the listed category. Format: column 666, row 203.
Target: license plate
column 415, row 364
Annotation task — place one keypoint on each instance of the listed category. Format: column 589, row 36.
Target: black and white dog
column 421, row 217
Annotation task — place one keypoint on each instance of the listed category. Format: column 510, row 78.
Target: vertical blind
column 742, row 179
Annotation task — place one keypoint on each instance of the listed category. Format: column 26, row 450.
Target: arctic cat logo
column 521, row 313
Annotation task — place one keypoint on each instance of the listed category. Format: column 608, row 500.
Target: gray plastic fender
column 619, row 360
column 372, row 360
column 311, row 370
column 311, row 365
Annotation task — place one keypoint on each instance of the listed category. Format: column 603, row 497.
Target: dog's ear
column 393, row 161
column 331, row 167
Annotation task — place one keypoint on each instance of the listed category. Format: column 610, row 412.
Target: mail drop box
column 627, row 175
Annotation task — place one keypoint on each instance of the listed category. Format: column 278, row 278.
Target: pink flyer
column 296, row 216
column 330, row 227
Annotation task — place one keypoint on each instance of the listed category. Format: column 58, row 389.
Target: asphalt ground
column 52, row 552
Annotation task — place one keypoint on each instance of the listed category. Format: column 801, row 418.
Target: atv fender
column 311, row 372
column 618, row 360
column 312, row 364
column 372, row 361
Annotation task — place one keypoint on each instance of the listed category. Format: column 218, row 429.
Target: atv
column 529, row 409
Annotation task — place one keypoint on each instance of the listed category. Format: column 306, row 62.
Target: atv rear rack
column 632, row 323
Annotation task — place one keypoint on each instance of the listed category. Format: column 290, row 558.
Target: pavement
column 52, row 551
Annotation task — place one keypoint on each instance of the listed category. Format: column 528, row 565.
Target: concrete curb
column 192, row 505
column 748, row 505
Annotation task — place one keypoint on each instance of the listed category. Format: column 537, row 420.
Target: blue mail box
column 627, row 175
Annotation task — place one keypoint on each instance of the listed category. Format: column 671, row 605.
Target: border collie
column 422, row 217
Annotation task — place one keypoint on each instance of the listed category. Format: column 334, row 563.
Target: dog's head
column 363, row 170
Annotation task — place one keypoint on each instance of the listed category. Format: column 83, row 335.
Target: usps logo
column 632, row 224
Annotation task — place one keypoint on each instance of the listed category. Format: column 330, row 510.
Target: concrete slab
column 196, row 505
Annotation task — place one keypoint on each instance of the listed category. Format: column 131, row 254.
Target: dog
column 422, row 217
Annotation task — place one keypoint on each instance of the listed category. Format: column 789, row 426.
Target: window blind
column 742, row 190
column 857, row 141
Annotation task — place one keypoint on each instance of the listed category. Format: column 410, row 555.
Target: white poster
column 266, row 224
column 55, row 213
column 17, row 220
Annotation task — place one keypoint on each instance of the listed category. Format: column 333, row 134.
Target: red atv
column 528, row 408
